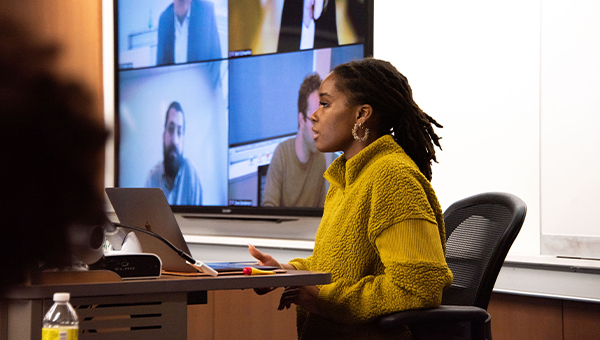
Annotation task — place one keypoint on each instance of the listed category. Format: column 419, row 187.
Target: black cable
column 164, row 240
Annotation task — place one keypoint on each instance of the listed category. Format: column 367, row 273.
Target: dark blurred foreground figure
column 51, row 148
column 382, row 234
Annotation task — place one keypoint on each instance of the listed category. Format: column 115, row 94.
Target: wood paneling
column 201, row 320
column 581, row 320
column 76, row 25
column 524, row 317
column 246, row 315
column 242, row 314
column 532, row 318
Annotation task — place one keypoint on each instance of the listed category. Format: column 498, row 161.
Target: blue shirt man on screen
column 187, row 31
column 176, row 175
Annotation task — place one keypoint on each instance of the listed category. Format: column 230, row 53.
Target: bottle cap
column 62, row 297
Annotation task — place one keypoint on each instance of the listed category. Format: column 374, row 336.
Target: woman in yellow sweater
column 382, row 234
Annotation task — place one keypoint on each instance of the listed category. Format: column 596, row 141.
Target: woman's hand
column 263, row 258
column 304, row 296
column 266, row 260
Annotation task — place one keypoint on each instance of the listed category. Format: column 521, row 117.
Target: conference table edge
column 170, row 284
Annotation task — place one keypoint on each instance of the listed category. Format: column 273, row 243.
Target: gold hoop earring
column 355, row 134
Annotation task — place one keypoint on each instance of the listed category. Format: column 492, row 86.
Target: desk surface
column 171, row 284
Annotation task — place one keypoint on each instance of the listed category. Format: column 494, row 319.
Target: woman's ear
column 364, row 113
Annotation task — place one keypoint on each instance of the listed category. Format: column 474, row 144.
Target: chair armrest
column 445, row 313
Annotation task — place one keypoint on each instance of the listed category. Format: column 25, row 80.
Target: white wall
column 570, row 106
column 517, row 86
column 474, row 67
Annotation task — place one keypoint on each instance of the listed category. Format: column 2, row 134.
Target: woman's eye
column 323, row 104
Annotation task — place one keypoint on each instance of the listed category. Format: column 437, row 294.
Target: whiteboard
column 570, row 106
column 474, row 67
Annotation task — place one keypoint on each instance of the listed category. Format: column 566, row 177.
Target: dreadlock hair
column 379, row 84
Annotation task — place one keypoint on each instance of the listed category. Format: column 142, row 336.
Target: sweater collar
column 343, row 173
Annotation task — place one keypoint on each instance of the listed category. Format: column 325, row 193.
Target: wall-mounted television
column 206, row 91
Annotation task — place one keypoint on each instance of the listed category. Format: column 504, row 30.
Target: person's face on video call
column 181, row 7
column 306, row 124
column 173, row 142
column 334, row 120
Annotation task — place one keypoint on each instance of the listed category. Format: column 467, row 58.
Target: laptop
column 147, row 208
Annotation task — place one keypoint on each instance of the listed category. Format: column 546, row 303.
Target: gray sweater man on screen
column 295, row 175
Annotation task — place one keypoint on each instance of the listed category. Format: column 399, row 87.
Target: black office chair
column 479, row 231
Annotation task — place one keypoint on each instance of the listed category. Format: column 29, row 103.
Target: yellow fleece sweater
column 382, row 238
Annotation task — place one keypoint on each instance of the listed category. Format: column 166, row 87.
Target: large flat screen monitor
column 209, row 105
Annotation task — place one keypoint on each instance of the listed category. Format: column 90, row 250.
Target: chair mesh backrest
column 479, row 235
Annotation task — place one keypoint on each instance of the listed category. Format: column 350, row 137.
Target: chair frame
column 476, row 315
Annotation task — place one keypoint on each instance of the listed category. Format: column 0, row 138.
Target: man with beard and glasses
column 176, row 175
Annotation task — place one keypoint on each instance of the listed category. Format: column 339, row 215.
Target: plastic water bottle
column 61, row 322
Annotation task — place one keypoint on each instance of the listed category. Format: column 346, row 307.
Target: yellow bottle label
column 61, row 333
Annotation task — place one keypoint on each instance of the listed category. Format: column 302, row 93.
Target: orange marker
column 255, row 271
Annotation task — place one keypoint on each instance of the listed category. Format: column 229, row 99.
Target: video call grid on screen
column 239, row 100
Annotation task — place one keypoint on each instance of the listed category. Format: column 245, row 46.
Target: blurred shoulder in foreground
column 52, row 143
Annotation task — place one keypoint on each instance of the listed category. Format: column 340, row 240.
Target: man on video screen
column 307, row 24
column 295, row 175
column 187, row 31
column 176, row 175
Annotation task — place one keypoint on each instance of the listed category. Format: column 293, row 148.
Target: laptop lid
column 148, row 208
